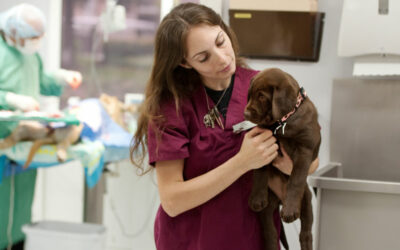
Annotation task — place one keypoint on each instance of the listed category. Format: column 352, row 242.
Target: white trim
column 166, row 6
column 54, row 29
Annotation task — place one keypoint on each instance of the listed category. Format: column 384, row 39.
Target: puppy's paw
column 290, row 213
column 306, row 240
column 258, row 201
column 61, row 155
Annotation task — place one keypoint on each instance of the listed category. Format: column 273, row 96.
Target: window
column 120, row 65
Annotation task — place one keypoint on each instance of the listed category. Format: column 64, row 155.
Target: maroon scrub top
column 225, row 221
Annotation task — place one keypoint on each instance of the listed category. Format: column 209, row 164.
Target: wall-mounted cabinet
column 290, row 35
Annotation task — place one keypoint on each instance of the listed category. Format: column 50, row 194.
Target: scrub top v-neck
column 221, row 97
column 225, row 221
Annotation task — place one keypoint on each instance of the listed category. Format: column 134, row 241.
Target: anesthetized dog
column 40, row 135
column 276, row 102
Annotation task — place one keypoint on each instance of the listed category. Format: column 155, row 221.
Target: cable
column 95, row 44
column 11, row 210
column 93, row 71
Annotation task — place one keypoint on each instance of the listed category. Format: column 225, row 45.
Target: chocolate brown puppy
column 276, row 102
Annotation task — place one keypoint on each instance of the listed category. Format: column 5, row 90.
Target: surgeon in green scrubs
column 22, row 80
column 22, row 77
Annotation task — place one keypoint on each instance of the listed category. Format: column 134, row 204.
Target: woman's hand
column 285, row 164
column 258, row 148
column 314, row 166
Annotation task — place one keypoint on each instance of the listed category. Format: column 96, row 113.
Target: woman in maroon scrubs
column 196, row 93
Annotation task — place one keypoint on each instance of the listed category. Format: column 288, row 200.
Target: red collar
column 282, row 122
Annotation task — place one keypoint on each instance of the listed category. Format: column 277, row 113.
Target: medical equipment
column 49, row 235
column 113, row 18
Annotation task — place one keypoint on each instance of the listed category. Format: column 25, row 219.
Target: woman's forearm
column 178, row 196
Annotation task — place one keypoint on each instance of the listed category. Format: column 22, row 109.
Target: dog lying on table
column 41, row 134
column 276, row 102
column 63, row 137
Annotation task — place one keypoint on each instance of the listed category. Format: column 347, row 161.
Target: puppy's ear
column 284, row 99
column 276, row 101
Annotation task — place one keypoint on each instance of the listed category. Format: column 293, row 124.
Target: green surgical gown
column 22, row 74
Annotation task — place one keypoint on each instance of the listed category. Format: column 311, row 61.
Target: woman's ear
column 185, row 64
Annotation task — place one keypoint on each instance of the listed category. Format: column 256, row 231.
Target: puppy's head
column 272, row 94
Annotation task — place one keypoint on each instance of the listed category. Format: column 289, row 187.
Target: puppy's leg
column 277, row 182
column 62, row 150
column 295, row 189
column 65, row 137
column 35, row 147
column 306, row 218
column 259, row 192
column 266, row 217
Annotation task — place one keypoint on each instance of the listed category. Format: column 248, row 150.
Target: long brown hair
column 168, row 79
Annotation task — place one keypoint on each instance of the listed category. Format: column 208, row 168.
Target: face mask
column 31, row 46
column 9, row 41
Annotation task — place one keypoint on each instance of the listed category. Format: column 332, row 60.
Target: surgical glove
column 73, row 78
column 22, row 102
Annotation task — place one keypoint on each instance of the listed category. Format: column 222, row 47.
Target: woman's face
column 210, row 53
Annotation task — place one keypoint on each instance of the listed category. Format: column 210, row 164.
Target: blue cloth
column 89, row 154
column 105, row 130
column 98, row 125
column 6, row 166
column 93, row 178
column 102, row 141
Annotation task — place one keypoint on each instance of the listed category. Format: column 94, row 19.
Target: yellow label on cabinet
column 243, row 15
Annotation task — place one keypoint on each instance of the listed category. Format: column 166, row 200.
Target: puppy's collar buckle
column 281, row 125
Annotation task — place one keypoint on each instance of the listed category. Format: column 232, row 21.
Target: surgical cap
column 23, row 20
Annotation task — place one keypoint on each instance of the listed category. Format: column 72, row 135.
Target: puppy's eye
column 262, row 98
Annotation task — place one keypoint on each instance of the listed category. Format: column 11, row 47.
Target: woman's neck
column 217, row 85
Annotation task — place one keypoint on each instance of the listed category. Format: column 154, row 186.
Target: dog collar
column 282, row 122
